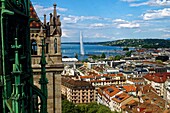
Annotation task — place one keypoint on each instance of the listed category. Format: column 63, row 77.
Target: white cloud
column 75, row 19
column 165, row 30
column 62, row 9
column 138, row 31
column 41, row 10
column 156, row 14
column 129, row 0
column 129, row 15
column 66, row 33
column 129, row 25
column 138, row 4
column 70, row 19
column 125, row 24
column 97, row 25
column 152, row 3
column 166, row 35
column 98, row 35
column 119, row 21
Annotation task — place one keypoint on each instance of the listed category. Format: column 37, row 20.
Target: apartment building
column 120, row 100
column 157, row 81
column 112, row 97
column 78, row 91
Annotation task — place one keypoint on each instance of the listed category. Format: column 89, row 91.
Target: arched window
column 55, row 45
column 34, row 47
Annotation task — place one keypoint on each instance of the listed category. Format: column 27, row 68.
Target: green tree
column 103, row 109
column 111, row 58
column 128, row 54
column 68, row 107
column 76, row 55
column 117, row 57
column 85, row 60
column 94, row 57
column 103, row 55
column 159, row 61
column 92, row 107
column 126, row 49
column 82, row 108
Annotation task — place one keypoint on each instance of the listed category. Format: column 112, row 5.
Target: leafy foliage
column 69, row 107
column 117, row 57
column 103, row 55
column 144, row 43
column 85, row 60
column 76, row 55
column 128, row 54
column 94, row 57
column 126, row 49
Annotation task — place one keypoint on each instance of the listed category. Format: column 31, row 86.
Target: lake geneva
column 70, row 49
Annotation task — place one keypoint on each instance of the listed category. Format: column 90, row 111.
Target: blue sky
column 107, row 20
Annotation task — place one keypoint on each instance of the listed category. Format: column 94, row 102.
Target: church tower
column 52, row 34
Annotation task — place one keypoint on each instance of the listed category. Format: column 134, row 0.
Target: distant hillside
column 144, row 43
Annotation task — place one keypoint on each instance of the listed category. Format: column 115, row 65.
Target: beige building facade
column 77, row 91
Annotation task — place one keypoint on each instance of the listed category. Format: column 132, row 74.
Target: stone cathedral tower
column 52, row 34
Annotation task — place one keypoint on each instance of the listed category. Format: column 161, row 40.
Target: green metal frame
column 43, row 80
column 18, row 88
column 3, row 79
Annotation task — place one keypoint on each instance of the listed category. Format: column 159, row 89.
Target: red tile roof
column 129, row 103
column 121, row 97
column 35, row 21
column 112, row 75
column 157, row 77
column 111, row 90
column 141, row 50
column 145, row 89
column 130, row 88
column 84, row 77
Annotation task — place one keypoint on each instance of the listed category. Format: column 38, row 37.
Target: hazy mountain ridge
column 144, row 43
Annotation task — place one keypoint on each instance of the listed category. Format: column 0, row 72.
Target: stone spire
column 55, row 11
column 45, row 20
column 51, row 19
column 58, row 22
column 41, row 34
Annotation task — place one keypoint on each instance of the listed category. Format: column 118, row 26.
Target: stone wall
column 54, row 91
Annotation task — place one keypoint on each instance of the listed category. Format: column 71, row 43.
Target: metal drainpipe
column 3, row 11
column 3, row 57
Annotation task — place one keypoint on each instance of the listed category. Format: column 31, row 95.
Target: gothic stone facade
column 52, row 34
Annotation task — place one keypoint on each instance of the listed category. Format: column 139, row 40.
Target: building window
column 55, row 45
column 33, row 47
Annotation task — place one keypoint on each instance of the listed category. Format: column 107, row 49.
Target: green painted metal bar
column 18, row 96
column 3, row 77
column 43, row 80
column 3, row 57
